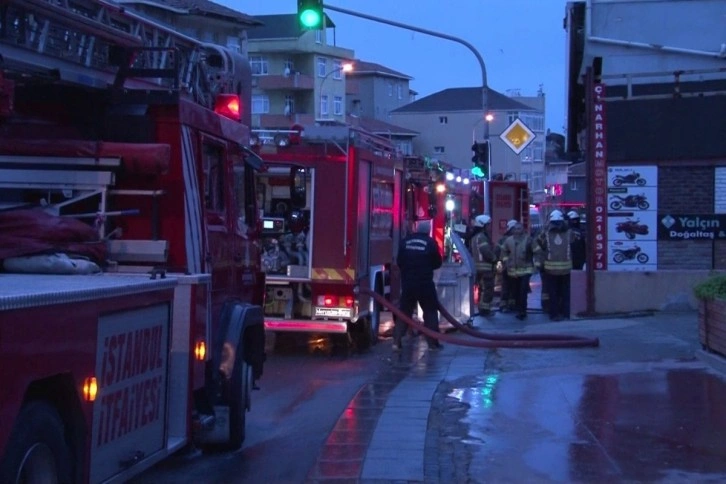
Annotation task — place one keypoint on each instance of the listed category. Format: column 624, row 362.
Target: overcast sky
column 522, row 42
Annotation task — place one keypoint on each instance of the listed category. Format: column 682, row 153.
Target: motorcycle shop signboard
column 632, row 220
column 691, row 227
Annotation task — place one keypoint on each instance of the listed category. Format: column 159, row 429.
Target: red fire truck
column 131, row 292
column 330, row 202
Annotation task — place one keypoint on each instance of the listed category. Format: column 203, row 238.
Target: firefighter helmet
column 482, row 220
column 573, row 215
column 511, row 224
column 556, row 216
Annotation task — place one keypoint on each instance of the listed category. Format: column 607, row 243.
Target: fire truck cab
column 131, row 316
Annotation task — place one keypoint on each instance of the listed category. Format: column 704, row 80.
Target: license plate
column 333, row 312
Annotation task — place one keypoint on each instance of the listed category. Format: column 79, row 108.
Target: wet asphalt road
column 305, row 388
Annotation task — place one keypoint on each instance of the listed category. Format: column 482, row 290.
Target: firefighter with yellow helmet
column 482, row 250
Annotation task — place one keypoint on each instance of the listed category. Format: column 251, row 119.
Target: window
column 574, row 186
column 322, row 66
column 390, row 89
column 399, row 91
column 259, row 65
column 323, row 105
column 289, row 67
column 337, row 69
column 439, row 150
column 260, row 104
column 337, row 105
column 318, row 36
column 443, row 120
column 511, row 116
column 538, row 150
column 527, row 154
column 233, row 43
column 404, row 147
column 289, row 105
column 213, row 156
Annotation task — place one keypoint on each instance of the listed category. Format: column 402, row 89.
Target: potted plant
column 711, row 294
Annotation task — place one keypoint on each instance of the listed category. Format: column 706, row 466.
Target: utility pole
column 484, row 85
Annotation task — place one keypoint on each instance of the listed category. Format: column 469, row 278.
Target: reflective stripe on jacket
column 556, row 250
column 482, row 252
column 517, row 254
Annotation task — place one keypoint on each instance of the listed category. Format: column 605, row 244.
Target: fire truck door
column 364, row 217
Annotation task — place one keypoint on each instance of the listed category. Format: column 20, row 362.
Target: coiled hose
column 493, row 340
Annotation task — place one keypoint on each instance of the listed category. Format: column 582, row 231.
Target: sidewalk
column 640, row 407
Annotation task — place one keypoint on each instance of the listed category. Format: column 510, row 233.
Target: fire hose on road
column 492, row 340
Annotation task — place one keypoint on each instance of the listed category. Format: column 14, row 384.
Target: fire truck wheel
column 239, row 402
column 37, row 450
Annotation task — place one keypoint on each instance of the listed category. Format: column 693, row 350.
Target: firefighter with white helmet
column 482, row 250
column 556, row 243
column 579, row 253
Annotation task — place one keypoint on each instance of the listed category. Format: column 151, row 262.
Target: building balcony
column 280, row 121
column 293, row 82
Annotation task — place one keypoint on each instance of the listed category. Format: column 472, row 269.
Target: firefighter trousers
column 485, row 281
column 545, row 295
column 519, row 289
column 423, row 294
column 506, row 298
column 559, row 290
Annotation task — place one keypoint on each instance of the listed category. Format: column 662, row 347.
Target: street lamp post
column 347, row 67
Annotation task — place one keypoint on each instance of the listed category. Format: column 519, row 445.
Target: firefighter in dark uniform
column 418, row 258
column 482, row 250
column 578, row 248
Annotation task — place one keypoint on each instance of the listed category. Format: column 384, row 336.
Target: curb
column 714, row 360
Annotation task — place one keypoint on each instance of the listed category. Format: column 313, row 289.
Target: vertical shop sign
column 598, row 164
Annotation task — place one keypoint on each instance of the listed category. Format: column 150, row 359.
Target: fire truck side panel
column 507, row 200
column 328, row 251
column 128, row 320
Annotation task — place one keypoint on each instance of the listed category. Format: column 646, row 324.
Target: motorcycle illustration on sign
column 634, row 252
column 632, row 178
column 631, row 228
column 630, row 201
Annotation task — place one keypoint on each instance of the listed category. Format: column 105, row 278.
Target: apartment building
column 372, row 92
column 450, row 120
column 298, row 75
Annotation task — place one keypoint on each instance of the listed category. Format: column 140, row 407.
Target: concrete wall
column 642, row 291
column 617, row 31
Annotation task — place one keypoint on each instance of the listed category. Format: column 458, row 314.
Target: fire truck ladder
column 100, row 44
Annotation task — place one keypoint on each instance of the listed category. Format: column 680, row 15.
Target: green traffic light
column 477, row 171
column 310, row 18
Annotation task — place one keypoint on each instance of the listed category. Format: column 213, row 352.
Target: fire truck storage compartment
column 286, row 205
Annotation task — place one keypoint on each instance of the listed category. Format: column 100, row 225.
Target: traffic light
column 310, row 14
column 480, row 160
